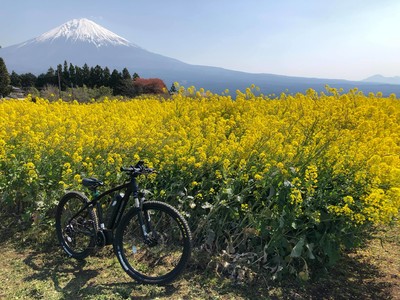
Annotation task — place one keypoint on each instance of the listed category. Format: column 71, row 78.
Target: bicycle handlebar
column 138, row 169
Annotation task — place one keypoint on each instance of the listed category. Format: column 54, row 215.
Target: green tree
column 28, row 80
column 126, row 74
column 72, row 75
column 115, row 79
column 61, row 83
column 65, row 76
column 50, row 78
column 15, row 79
column 135, row 76
column 106, row 76
column 79, row 76
column 4, row 79
column 125, row 88
column 96, row 76
column 172, row 90
column 85, row 75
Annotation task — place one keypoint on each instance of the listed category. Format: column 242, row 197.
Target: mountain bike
column 152, row 240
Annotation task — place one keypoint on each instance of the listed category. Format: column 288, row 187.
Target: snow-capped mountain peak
column 84, row 30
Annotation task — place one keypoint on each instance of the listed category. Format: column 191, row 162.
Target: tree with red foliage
column 149, row 86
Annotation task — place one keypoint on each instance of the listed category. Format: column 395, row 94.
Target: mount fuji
column 81, row 41
column 83, row 30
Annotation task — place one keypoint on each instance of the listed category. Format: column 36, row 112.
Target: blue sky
column 349, row 39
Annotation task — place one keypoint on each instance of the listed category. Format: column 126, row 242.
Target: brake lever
column 140, row 164
column 150, row 170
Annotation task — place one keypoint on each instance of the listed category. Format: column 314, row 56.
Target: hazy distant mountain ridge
column 382, row 79
column 81, row 41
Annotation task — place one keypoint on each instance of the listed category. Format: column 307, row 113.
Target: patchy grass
column 372, row 272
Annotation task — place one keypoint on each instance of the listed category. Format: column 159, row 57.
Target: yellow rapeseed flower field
column 307, row 167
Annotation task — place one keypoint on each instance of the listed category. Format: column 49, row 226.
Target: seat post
column 95, row 192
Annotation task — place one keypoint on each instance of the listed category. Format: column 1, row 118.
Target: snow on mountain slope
column 82, row 30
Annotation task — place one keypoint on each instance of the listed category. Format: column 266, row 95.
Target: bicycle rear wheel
column 76, row 230
column 161, row 257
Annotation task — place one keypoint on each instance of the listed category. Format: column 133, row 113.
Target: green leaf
column 228, row 191
column 310, row 248
column 298, row 248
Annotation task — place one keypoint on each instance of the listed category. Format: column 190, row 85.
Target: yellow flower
column 258, row 177
column 77, row 178
column 194, row 183
column 30, row 166
column 244, row 207
column 198, row 196
column 348, row 200
column 295, row 196
column 218, row 174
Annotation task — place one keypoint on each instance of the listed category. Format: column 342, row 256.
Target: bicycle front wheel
column 76, row 227
column 163, row 254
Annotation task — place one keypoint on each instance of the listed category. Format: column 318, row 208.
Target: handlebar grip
column 126, row 169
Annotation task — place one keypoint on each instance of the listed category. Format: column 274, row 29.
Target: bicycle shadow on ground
column 84, row 279
column 52, row 267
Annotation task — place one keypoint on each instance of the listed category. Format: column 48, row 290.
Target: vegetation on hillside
column 82, row 83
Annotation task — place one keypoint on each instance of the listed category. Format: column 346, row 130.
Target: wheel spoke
column 163, row 254
column 75, row 231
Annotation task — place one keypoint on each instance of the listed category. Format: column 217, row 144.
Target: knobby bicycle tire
column 167, row 251
column 77, row 236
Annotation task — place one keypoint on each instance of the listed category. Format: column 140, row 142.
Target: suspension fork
column 143, row 216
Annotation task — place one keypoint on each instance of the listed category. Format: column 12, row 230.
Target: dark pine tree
column 126, row 74
column 49, row 78
column 96, row 76
column 86, row 75
column 72, row 75
column 65, row 75
column 106, row 77
column 28, row 80
column 61, row 85
column 172, row 90
column 79, row 76
column 115, row 79
column 15, row 79
column 135, row 76
column 4, row 79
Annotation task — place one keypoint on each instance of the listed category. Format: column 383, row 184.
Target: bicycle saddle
column 91, row 182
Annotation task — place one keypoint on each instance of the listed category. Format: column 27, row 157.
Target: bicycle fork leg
column 144, row 221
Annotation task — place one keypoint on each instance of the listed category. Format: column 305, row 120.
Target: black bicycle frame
column 117, row 209
column 131, row 188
